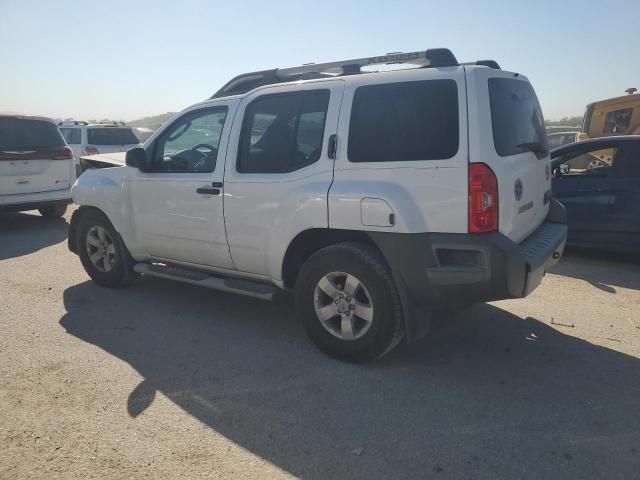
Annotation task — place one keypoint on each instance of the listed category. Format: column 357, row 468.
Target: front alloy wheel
column 101, row 249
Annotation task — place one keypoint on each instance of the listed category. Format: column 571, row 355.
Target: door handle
column 214, row 189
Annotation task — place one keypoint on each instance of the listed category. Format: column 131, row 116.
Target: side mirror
column 564, row 168
column 137, row 158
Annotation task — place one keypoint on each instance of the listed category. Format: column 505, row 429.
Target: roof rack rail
column 110, row 122
column 434, row 57
column 72, row 122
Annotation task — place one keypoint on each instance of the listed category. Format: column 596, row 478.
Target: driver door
column 178, row 203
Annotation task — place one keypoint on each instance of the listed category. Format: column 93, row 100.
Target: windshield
column 518, row 124
column 111, row 136
column 24, row 134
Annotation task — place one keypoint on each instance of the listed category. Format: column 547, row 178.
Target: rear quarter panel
column 424, row 195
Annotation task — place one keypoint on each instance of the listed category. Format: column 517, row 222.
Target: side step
column 204, row 279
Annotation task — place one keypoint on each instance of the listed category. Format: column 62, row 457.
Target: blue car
column 598, row 181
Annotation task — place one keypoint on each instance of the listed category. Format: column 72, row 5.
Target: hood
column 116, row 159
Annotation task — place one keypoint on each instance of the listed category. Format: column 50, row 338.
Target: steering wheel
column 200, row 163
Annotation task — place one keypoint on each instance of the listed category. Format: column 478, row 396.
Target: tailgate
column 24, row 173
column 507, row 133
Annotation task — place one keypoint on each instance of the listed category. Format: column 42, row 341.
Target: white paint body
column 246, row 231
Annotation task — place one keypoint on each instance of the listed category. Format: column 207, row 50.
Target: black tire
column 386, row 329
column 53, row 212
column 121, row 273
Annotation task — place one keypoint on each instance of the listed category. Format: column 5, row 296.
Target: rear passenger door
column 616, row 208
column 278, row 171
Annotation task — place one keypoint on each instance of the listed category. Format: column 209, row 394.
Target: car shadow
column 41, row 232
column 604, row 270
column 490, row 396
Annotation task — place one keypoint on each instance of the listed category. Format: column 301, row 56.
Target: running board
column 204, row 279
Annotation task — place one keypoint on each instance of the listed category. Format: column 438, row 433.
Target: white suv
column 377, row 197
column 36, row 166
column 93, row 138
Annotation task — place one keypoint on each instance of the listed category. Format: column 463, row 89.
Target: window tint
column 404, row 121
column 25, row 134
column 283, row 133
column 111, row 136
column 71, row 135
column 190, row 144
column 516, row 117
column 617, row 121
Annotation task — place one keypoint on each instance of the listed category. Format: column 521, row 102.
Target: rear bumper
column 33, row 205
column 435, row 270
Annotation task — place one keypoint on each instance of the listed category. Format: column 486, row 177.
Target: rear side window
column 516, row 117
column 111, row 136
column 71, row 135
column 283, row 133
column 24, row 134
column 617, row 121
column 406, row 121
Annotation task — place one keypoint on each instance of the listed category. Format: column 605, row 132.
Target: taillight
column 62, row 153
column 90, row 150
column 483, row 199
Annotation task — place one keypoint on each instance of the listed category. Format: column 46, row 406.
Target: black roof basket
column 435, row 58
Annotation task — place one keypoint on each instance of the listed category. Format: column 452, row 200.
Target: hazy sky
column 128, row 59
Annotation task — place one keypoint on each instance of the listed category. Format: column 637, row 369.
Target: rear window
column 617, row 121
column 516, row 117
column 406, row 121
column 111, row 136
column 24, row 134
column 71, row 135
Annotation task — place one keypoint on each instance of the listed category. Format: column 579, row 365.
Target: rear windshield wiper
column 535, row 147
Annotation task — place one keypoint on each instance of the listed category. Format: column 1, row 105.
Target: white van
column 36, row 166
column 378, row 198
column 93, row 138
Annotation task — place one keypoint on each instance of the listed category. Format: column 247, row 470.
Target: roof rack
column 72, row 122
column 110, row 122
column 434, row 57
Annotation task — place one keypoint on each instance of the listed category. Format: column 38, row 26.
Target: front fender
column 105, row 189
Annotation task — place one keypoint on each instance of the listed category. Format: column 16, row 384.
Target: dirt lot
column 164, row 380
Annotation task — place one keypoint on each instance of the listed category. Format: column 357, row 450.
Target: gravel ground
column 164, row 380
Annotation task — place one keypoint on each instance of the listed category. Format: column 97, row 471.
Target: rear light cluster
column 51, row 153
column 62, row 153
column 90, row 150
column 483, row 199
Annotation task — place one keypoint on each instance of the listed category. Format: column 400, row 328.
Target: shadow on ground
column 40, row 232
column 491, row 396
column 604, row 270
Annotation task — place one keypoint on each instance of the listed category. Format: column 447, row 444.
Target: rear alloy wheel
column 343, row 306
column 53, row 212
column 348, row 302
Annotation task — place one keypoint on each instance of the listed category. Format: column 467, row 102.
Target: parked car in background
column 91, row 139
column 602, row 198
column 376, row 197
column 36, row 166
column 561, row 138
column 613, row 116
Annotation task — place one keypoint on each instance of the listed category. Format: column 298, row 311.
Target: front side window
column 516, row 118
column 406, row 121
column 283, row 132
column 617, row 121
column 111, row 136
column 71, row 135
column 191, row 143
column 592, row 163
